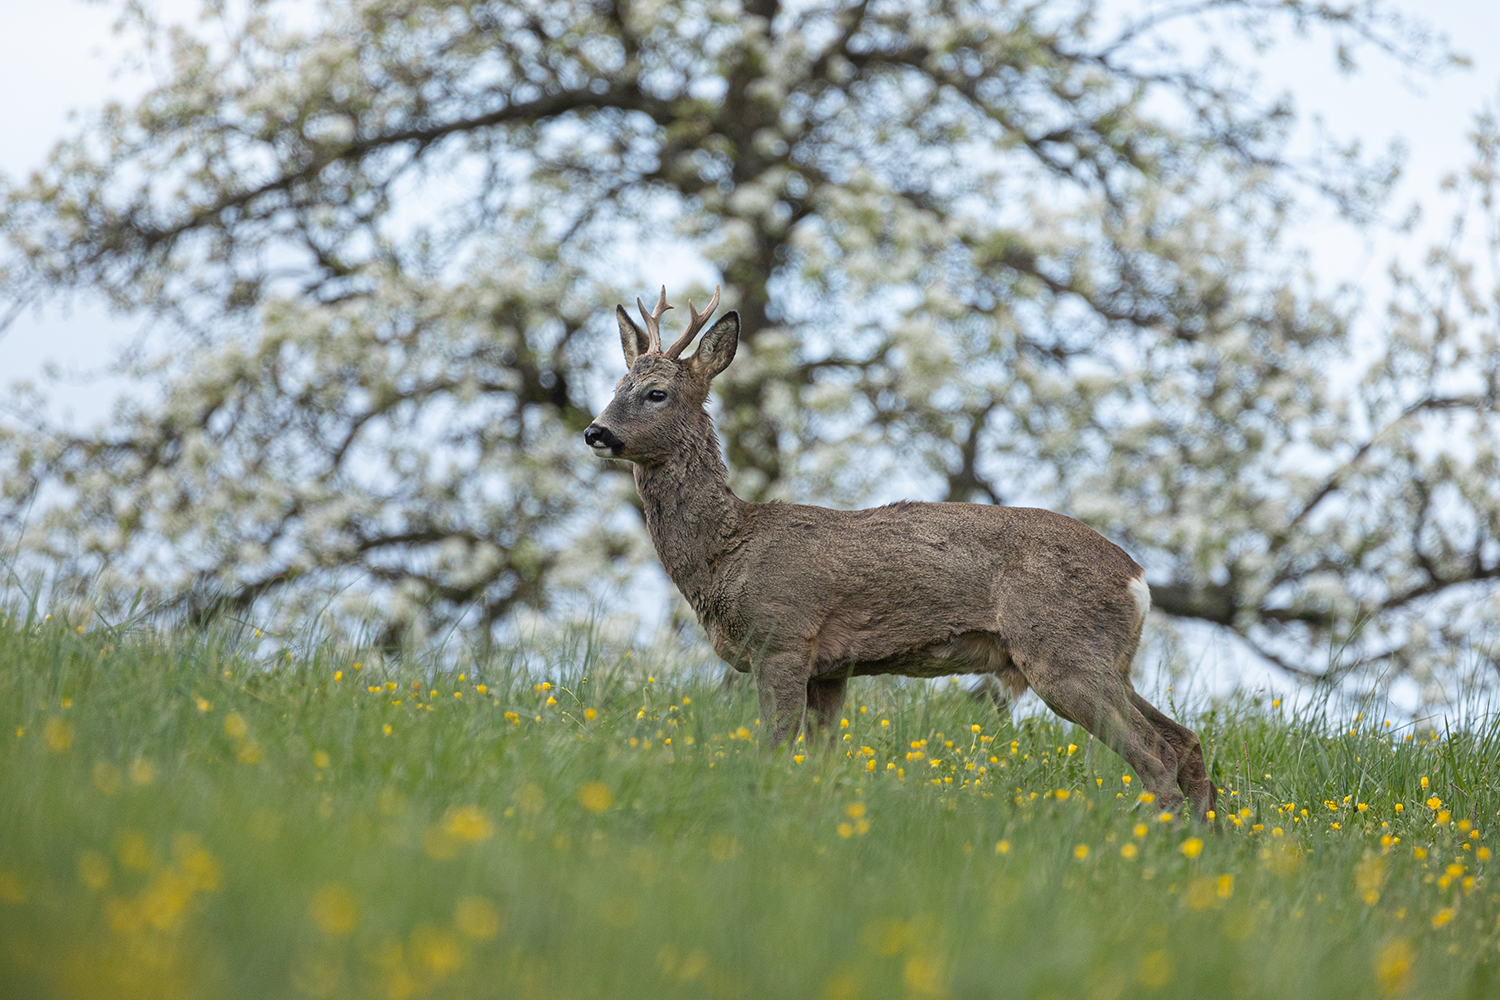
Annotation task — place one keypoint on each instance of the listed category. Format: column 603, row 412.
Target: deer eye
column 656, row 395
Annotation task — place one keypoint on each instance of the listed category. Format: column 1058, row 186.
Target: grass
column 184, row 816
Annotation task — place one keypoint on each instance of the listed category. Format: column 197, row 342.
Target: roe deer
column 805, row 597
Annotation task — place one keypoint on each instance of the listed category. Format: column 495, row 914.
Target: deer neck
column 691, row 514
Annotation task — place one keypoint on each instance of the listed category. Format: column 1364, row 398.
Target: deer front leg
column 781, row 683
column 825, row 696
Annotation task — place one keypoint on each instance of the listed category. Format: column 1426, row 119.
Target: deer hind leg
column 783, row 689
column 1100, row 702
column 825, row 696
column 1192, row 773
column 1000, row 688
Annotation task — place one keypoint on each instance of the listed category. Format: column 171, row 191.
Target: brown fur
column 805, row 597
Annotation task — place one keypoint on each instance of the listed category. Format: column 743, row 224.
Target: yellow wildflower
column 58, row 734
column 11, row 889
column 106, row 777
column 334, row 909
column 476, row 917
column 94, row 870
column 1393, row 966
column 595, row 796
column 468, row 824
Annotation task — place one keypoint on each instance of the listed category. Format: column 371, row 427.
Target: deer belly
column 965, row 653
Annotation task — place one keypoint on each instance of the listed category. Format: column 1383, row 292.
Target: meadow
column 187, row 814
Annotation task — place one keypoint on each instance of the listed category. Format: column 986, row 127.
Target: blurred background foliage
column 983, row 250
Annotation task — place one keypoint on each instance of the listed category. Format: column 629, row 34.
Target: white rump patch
column 1141, row 591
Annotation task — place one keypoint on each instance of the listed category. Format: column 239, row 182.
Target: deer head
column 661, row 396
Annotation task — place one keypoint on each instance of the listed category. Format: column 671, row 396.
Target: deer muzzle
column 603, row 441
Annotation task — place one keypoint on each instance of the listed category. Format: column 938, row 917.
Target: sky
column 59, row 58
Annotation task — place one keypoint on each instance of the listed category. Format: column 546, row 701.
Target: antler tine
column 653, row 320
column 695, row 323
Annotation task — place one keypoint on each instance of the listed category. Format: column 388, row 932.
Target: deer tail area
column 1141, row 591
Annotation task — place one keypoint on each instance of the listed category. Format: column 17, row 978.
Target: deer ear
column 632, row 338
column 717, row 347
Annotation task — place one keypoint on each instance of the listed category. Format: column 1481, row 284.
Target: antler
column 653, row 321
column 694, row 324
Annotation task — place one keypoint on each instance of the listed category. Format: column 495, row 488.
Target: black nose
column 601, row 437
